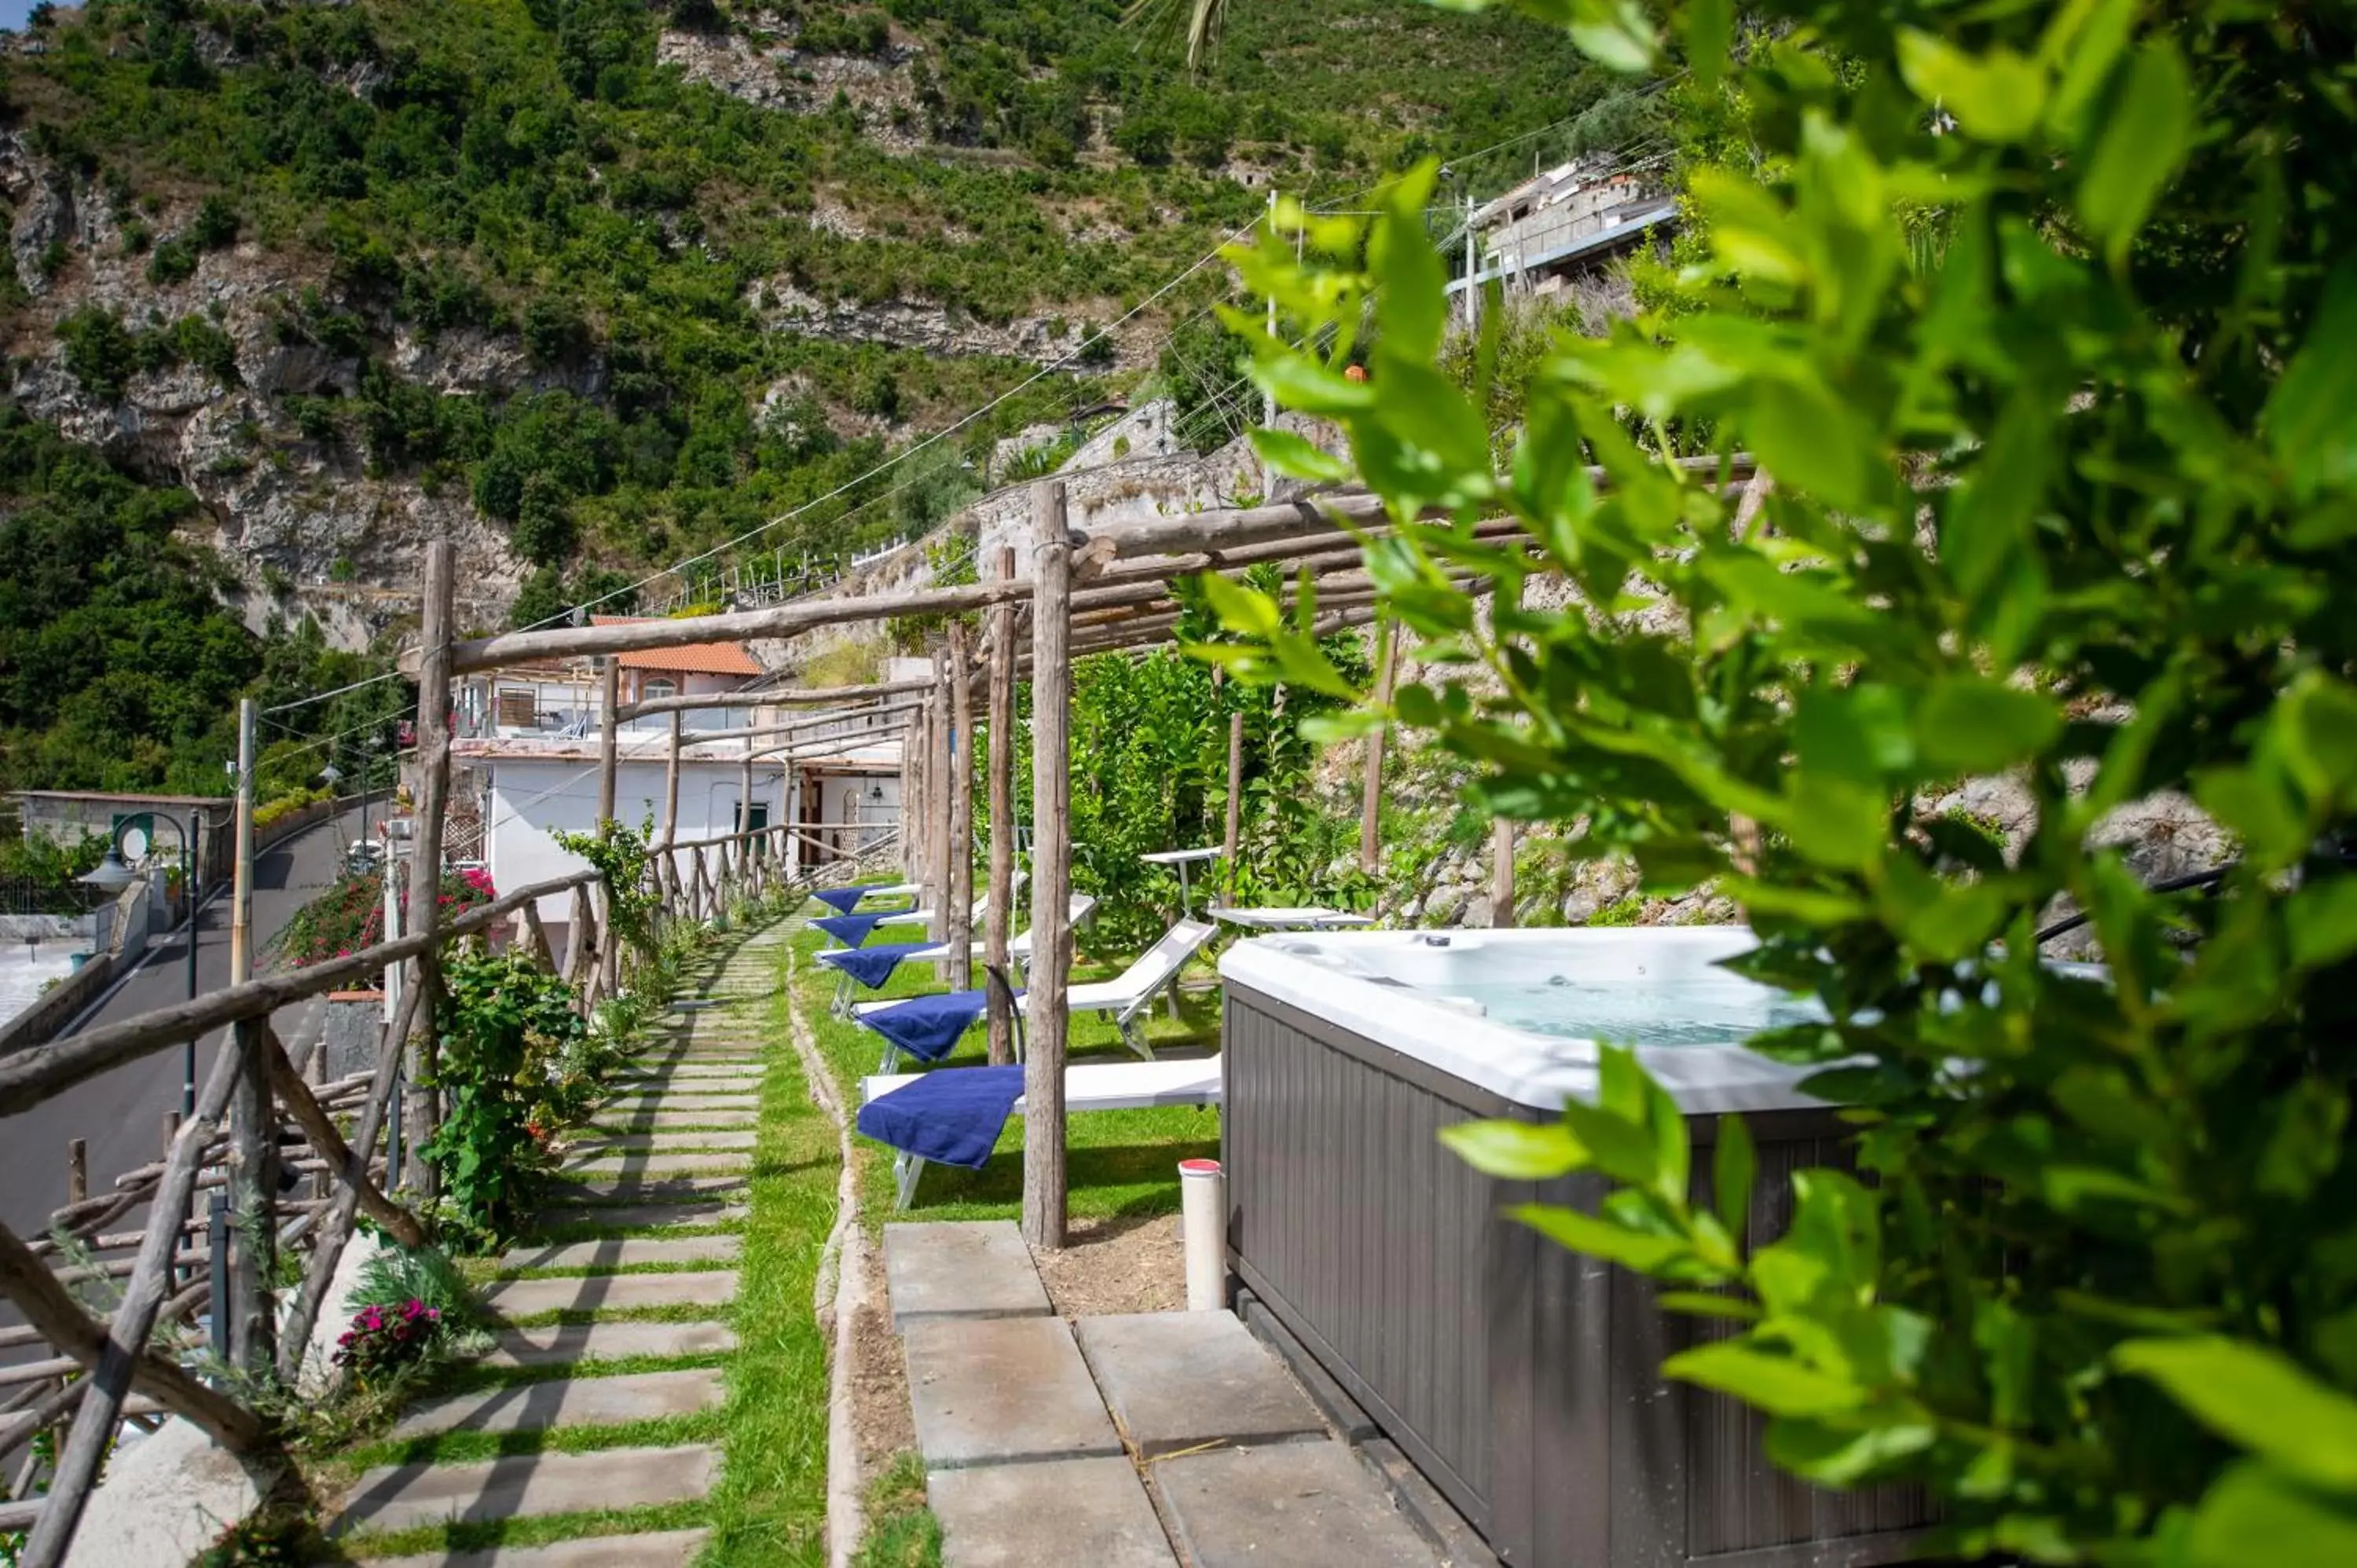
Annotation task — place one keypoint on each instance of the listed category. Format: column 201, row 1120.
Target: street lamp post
column 110, row 876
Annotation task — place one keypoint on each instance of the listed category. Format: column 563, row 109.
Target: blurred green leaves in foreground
column 2037, row 324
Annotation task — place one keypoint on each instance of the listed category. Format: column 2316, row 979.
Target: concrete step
column 558, row 1344
column 1003, row 1391
column 669, row 1142
column 665, row 1549
column 719, row 1210
column 403, row 1497
column 611, row 1293
column 972, row 1269
column 1306, row 1505
column 675, row 1101
column 1180, row 1380
column 672, row 1121
column 658, row 1162
column 636, row 1189
column 1089, row 1511
column 568, row 1402
column 626, row 1254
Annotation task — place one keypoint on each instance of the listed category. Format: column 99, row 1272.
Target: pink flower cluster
column 475, row 877
column 379, row 1341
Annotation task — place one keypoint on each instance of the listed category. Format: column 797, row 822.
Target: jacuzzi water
column 1525, row 1013
column 1636, row 1013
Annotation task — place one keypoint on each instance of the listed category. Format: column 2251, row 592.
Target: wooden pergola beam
column 775, row 697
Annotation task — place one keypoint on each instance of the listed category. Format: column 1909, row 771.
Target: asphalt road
column 121, row 1114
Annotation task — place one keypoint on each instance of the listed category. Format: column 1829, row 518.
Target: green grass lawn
column 1119, row 1164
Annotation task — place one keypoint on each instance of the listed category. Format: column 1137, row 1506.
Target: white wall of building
column 533, row 797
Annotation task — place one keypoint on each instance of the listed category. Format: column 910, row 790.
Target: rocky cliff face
column 299, row 521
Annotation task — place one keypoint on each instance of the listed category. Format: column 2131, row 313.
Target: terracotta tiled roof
column 695, row 659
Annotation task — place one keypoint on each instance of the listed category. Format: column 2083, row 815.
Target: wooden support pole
column 304, row 1111
column 1501, row 830
column 76, row 1170
column 610, row 735
column 1371, row 849
column 1051, row 869
column 50, row 1309
column 109, row 1382
column 433, row 763
column 670, row 786
column 998, row 917
column 961, row 822
column 320, row 1272
column 253, row 1132
column 1228, row 847
column 940, row 835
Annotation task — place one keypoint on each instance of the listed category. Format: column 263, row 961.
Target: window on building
column 658, row 687
column 519, row 707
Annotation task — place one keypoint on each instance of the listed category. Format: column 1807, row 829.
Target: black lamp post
column 110, row 876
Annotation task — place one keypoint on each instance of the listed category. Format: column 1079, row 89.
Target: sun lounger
column 927, row 917
column 844, row 900
column 1125, row 999
column 1084, row 907
column 954, row 1116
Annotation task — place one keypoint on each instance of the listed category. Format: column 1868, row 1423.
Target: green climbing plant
column 621, row 856
column 516, row 1064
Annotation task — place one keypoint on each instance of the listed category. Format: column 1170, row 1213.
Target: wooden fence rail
column 148, row 1358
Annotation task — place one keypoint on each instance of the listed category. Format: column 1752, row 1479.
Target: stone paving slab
column 643, row 1216
column 611, row 1293
column 1003, row 1391
column 568, row 1402
column 665, row 1549
column 730, row 1084
column 403, row 1497
column 596, row 1190
column 1075, row 1511
column 623, row 1252
column 960, row 1270
column 741, row 1104
column 1180, row 1380
column 670, row 1142
column 1306, row 1504
column 658, row 1162
column 675, row 1120
column 556, row 1344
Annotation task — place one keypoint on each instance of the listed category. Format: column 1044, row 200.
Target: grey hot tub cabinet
column 1521, row 1378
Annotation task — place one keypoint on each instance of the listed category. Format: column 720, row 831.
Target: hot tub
column 1523, row 1379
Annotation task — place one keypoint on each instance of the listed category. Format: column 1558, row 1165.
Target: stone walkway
column 634, row 1267
column 1162, row 1440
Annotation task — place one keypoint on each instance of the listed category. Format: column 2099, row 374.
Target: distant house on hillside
column 1565, row 223
column 526, row 747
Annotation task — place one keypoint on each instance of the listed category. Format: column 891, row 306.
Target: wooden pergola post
column 1051, row 868
column 960, row 910
column 938, row 790
column 610, row 703
column 999, row 915
column 1371, row 849
column 425, row 852
column 1228, row 844
column 1501, row 831
column 253, row 1132
column 913, row 803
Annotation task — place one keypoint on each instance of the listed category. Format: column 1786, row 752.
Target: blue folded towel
column 842, row 900
column 953, row 1116
column 870, row 966
column 927, row 1027
column 851, row 930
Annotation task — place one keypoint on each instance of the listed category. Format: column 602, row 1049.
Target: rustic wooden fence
column 188, row 1326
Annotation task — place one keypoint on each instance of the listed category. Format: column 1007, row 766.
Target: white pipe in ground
column 1203, row 1206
